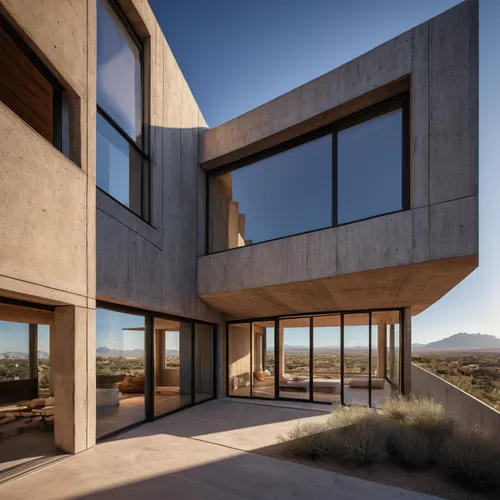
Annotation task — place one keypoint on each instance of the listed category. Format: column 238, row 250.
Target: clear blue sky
column 238, row 55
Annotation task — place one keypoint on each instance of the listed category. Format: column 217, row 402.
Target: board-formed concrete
column 437, row 64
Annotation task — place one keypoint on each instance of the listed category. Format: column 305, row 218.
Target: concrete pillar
column 222, row 361
column 52, row 357
column 406, row 358
column 159, row 350
column 392, row 353
column 74, row 378
column 185, row 358
column 381, row 346
column 282, row 351
column 33, row 351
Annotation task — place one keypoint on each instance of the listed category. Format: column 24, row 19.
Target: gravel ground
column 430, row 481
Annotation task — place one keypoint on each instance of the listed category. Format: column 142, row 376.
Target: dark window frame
column 60, row 136
column 149, row 317
column 398, row 102
column 311, row 317
column 145, row 149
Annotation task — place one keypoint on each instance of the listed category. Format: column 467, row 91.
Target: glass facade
column 148, row 366
column 355, row 171
column 122, row 163
column 349, row 358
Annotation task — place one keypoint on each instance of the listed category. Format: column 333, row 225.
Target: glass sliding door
column 295, row 358
column 326, row 359
column 203, row 362
column 239, row 347
column 120, row 375
column 357, row 359
column 263, row 369
column 172, row 365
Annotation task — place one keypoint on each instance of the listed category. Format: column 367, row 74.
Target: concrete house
column 149, row 263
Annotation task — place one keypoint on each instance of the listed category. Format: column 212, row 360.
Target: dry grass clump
column 349, row 415
column 363, row 442
column 472, row 457
column 411, row 447
column 307, row 440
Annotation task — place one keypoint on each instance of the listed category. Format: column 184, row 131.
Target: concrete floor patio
column 200, row 453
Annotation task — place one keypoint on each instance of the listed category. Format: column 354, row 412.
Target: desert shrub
column 363, row 442
column 348, row 415
column 411, row 447
column 307, row 440
column 422, row 414
column 472, row 457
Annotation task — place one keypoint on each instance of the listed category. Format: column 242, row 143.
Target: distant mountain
column 17, row 354
column 461, row 341
column 129, row 353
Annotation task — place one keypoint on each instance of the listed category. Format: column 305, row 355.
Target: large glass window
column 239, row 363
column 353, row 172
column 350, row 358
column 294, row 349
column 285, row 194
column 120, row 370
column 326, row 358
column 173, row 365
column 122, row 164
column 370, row 168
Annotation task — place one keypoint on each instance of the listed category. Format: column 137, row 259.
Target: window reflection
column 285, row 194
column 118, row 72
column 370, row 168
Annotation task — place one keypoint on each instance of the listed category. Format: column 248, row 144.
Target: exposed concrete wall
column 462, row 407
column 47, row 213
column 437, row 62
column 154, row 266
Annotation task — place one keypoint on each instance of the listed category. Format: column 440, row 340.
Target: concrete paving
column 199, row 453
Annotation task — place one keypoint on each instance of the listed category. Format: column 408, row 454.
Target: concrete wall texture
column 65, row 243
column 462, row 407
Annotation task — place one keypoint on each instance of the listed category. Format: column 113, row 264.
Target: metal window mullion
column 251, row 359
column 311, row 358
column 277, row 367
column 193, row 358
column 370, row 359
column 342, row 398
column 149, row 366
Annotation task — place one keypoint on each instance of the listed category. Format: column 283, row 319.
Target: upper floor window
column 352, row 170
column 122, row 162
column 29, row 89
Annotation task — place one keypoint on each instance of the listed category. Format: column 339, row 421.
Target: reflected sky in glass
column 118, row 72
column 370, row 168
column 287, row 193
column 113, row 330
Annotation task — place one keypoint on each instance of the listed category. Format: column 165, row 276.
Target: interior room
column 348, row 358
column 26, row 386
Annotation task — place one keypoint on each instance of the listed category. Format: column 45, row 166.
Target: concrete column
column 74, row 378
column 185, row 358
column 406, row 358
column 33, row 351
column 282, row 351
column 52, row 357
column 159, row 347
column 392, row 353
column 221, row 361
column 381, row 346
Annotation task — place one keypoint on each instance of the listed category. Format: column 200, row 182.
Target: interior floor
column 356, row 396
column 131, row 409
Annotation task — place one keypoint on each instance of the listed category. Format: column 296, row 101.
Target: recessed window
column 29, row 89
column 122, row 162
column 353, row 171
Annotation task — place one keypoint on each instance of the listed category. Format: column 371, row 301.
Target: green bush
column 472, row 457
column 343, row 416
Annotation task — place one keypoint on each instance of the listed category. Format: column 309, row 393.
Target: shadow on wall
column 154, row 267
